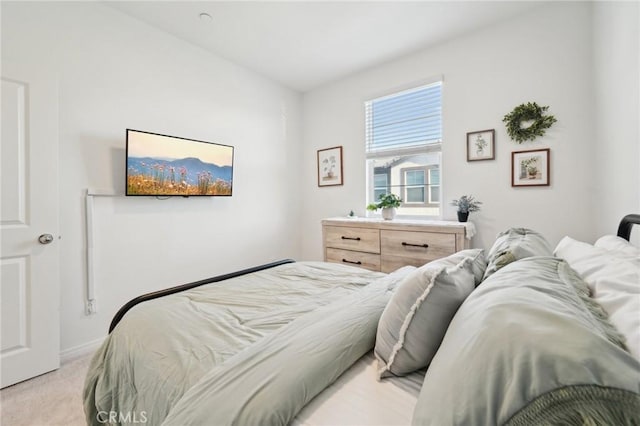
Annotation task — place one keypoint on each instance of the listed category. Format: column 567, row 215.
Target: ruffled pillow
column 417, row 316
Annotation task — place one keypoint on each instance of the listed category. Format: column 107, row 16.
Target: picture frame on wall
column 530, row 168
column 481, row 145
column 330, row 166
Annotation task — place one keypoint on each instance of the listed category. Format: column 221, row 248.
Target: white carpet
column 51, row 399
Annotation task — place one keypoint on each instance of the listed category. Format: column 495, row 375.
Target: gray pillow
column 515, row 244
column 416, row 318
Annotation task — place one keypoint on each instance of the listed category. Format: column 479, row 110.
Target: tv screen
column 161, row 165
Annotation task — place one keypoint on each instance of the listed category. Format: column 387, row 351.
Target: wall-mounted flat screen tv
column 161, row 165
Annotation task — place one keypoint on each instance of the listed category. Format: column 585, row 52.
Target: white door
column 30, row 294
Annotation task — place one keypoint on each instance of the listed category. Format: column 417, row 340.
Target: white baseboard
column 81, row 350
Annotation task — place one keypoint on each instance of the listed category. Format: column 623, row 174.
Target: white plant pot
column 388, row 213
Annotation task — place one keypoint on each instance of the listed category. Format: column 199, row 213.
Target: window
column 421, row 186
column 434, row 185
column 403, row 144
column 381, row 182
column 414, row 186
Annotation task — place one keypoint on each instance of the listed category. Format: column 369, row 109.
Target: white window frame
column 427, row 187
column 406, row 187
column 427, row 148
column 430, row 187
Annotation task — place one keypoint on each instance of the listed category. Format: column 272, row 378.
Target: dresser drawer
column 416, row 248
column 357, row 239
column 354, row 258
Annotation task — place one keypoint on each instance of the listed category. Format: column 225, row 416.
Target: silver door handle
column 45, row 238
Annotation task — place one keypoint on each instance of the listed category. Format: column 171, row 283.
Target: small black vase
column 463, row 216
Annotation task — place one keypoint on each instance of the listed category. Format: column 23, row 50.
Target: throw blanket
column 528, row 347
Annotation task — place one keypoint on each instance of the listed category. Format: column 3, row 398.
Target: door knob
column 45, row 238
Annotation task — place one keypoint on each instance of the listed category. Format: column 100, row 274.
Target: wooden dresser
column 383, row 245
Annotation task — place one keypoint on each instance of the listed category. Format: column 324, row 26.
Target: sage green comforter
column 529, row 347
column 206, row 356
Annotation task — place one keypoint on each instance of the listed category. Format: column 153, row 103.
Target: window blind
column 408, row 119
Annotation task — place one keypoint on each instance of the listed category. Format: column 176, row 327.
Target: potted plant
column 466, row 204
column 388, row 203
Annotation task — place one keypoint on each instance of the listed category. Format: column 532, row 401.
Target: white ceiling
column 305, row 44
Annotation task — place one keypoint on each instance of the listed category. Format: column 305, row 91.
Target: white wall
column 616, row 64
column 117, row 73
column 543, row 56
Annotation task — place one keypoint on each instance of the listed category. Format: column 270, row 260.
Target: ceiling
column 303, row 45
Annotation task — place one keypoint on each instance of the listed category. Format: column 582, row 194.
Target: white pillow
column 617, row 244
column 614, row 282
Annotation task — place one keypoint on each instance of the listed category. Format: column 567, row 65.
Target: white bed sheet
column 358, row 398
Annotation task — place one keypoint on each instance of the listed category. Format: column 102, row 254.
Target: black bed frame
column 624, row 231
column 171, row 290
column 627, row 222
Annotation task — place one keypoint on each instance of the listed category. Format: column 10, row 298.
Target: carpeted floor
column 51, row 399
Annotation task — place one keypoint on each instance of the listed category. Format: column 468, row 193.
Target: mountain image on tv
column 167, row 165
column 185, row 176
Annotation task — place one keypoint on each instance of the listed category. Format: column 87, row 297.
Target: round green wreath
column 527, row 112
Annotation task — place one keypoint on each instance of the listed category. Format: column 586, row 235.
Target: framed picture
column 530, row 168
column 481, row 145
column 330, row 166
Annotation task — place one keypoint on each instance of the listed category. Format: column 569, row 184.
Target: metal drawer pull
column 415, row 245
column 349, row 261
column 351, row 238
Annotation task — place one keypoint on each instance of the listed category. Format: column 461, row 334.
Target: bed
column 518, row 336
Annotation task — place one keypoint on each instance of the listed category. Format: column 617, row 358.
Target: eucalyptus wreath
column 527, row 112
